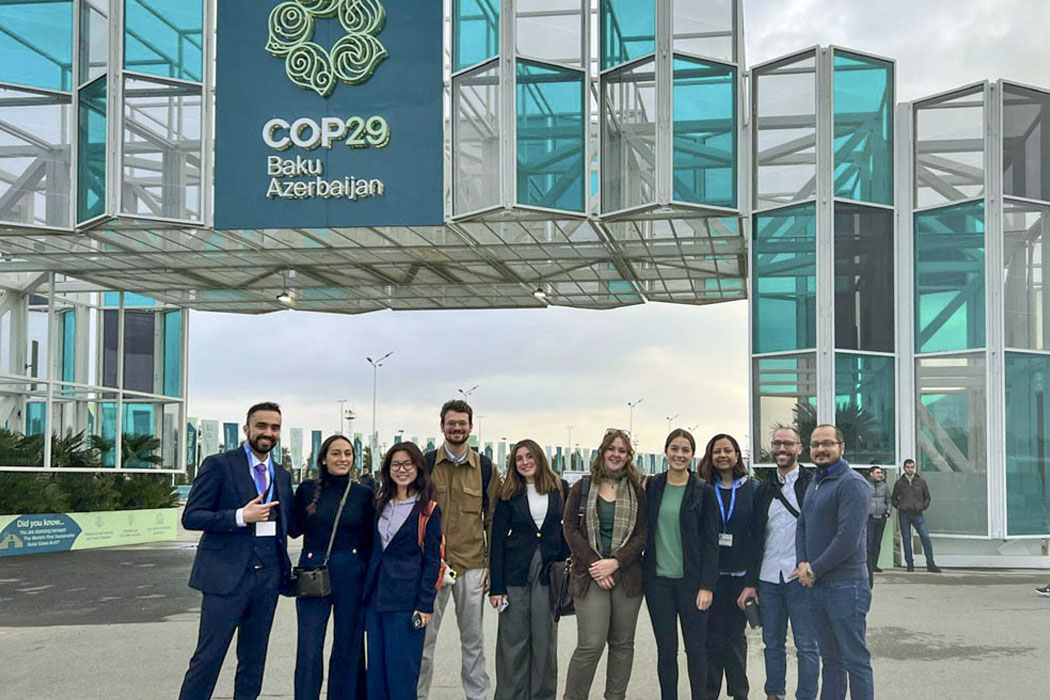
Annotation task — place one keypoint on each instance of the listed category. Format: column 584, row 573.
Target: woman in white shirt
column 526, row 538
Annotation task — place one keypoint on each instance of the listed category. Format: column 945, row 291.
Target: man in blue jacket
column 242, row 501
column 831, row 547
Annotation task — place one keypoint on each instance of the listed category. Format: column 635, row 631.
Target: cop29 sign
column 328, row 113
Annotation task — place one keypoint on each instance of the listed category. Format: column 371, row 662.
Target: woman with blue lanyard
column 737, row 570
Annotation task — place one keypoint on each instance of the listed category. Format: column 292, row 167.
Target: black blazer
column 515, row 537
column 401, row 577
column 223, row 485
column 699, row 522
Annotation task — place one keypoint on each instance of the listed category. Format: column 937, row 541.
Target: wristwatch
column 809, row 573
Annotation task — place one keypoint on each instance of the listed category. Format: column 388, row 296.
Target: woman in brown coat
column 606, row 524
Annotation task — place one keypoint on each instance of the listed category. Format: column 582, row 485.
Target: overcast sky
column 541, row 371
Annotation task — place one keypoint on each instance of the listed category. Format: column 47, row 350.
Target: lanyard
column 732, row 504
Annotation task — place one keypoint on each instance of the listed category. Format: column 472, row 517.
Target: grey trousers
column 527, row 642
column 603, row 617
column 469, row 596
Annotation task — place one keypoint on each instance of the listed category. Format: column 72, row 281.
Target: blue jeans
column 909, row 520
column 779, row 602
column 840, row 609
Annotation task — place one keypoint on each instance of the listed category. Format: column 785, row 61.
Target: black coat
column 515, row 538
column 699, row 522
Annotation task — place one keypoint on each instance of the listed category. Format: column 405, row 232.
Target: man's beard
column 258, row 449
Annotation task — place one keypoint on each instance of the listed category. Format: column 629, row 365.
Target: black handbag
column 559, row 573
column 314, row 581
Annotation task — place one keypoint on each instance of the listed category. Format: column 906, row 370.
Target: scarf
column 624, row 519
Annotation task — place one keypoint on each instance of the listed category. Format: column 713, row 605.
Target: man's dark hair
column 264, row 406
column 909, row 461
column 838, row 433
column 459, row 406
column 786, row 427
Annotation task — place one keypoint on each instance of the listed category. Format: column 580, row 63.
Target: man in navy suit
column 241, row 500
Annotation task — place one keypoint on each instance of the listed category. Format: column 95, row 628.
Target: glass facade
column 952, row 440
column 164, row 39
column 705, row 28
column 550, row 30
column 949, row 148
column 865, row 407
column 629, row 137
column 1026, row 234
column 1027, row 444
column 785, row 395
column 785, row 131
column 864, row 285
column 551, row 137
column 91, row 151
column 475, row 139
column 863, row 116
column 628, row 30
column 475, row 32
column 94, row 39
column 783, row 310
column 704, row 126
column 949, row 278
column 1026, row 143
column 172, row 353
column 36, row 43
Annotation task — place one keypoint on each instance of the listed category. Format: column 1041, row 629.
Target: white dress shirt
column 537, row 504
column 253, row 461
column 778, row 558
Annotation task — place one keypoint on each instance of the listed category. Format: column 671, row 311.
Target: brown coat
column 629, row 575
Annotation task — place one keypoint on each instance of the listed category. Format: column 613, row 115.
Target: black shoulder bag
column 314, row 582
column 561, row 571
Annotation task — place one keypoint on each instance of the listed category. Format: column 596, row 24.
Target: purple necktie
column 260, row 478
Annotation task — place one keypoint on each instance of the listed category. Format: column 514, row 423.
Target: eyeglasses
column 826, row 444
column 401, row 466
column 783, row 443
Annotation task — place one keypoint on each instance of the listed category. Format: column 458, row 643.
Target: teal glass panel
column 475, row 32
column 785, row 393
column 949, row 278
column 36, row 415
column 628, row 140
column 863, row 128
column 172, row 353
column 131, row 300
column 551, row 141
column 952, row 431
column 865, row 407
column 69, row 344
column 36, row 43
column 1027, row 444
column 164, row 38
column 91, row 151
column 140, row 425
column 108, row 432
column 785, row 279
column 705, row 119
column 628, row 30
column 864, row 291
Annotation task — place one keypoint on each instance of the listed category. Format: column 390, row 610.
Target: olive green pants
column 603, row 617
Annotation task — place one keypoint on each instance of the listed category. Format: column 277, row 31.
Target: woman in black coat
column 526, row 538
column 316, row 505
column 680, row 565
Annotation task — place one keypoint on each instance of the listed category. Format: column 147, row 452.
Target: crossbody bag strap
column 779, row 495
column 335, row 524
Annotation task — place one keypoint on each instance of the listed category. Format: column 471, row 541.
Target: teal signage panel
column 328, row 114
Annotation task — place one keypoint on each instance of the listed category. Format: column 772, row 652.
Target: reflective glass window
column 704, row 130
column 1027, row 444
column 35, row 158
column 139, row 351
column 475, row 136
column 550, row 30
column 949, row 148
column 705, row 28
column 94, row 39
column 629, row 137
column 949, row 278
column 162, row 149
column 91, row 151
column 36, row 43
column 783, row 311
column 1026, row 251
column 69, row 343
column 164, row 38
column 864, row 290
column 172, row 353
column 863, row 103
column 551, row 139
column 1026, row 143
column 952, row 432
column 785, row 126
column 785, row 396
column 865, row 410
column 475, row 32
column 628, row 30
column 36, row 417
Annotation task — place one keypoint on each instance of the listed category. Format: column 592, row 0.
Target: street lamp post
column 342, row 412
column 376, row 364
column 468, row 392
column 669, row 419
column 630, row 422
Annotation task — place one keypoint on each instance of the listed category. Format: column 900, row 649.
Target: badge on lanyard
column 725, row 539
column 267, row 528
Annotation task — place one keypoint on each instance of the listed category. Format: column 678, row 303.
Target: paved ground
column 121, row 623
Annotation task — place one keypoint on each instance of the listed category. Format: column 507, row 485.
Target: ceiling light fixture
column 286, row 297
column 540, row 294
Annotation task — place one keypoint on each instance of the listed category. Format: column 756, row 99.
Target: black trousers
column 726, row 642
column 875, row 530
column 671, row 601
column 248, row 611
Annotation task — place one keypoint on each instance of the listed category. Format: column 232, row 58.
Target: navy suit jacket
column 515, row 538
column 223, row 485
column 401, row 577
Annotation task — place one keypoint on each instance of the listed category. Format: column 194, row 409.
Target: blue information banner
column 328, row 114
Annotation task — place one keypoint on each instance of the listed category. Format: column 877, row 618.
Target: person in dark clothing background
column 316, row 504
column 878, row 513
column 911, row 496
column 737, row 560
column 680, row 568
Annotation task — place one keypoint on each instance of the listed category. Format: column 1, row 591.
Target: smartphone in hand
column 417, row 621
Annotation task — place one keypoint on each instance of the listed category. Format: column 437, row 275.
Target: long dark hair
column 707, row 467
column 387, row 488
column 322, row 469
column 545, row 480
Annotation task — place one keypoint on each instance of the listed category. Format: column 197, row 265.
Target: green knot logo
column 352, row 59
